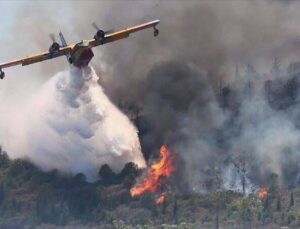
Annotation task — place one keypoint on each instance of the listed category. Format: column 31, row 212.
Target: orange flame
column 161, row 198
column 262, row 192
column 156, row 175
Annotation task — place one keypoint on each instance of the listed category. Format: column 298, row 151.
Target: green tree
column 164, row 206
column 292, row 199
column 273, row 190
column 217, row 221
column 241, row 163
column 293, row 215
column 45, row 205
column 175, row 209
column 147, row 200
column 79, row 178
column 278, row 204
column 16, row 168
column 106, row 175
column 218, row 201
column 82, row 200
column 4, row 159
column 247, row 208
column 2, row 192
column 128, row 174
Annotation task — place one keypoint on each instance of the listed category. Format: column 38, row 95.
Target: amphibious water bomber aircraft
column 79, row 54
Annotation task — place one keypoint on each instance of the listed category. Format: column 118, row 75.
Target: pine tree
column 164, row 206
column 278, row 204
column 217, row 221
column 175, row 209
column 292, row 199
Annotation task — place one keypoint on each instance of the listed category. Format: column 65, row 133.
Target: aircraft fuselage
column 81, row 54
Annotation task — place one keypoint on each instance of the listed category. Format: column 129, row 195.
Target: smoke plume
column 70, row 125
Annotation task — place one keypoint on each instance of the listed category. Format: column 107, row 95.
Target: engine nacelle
column 2, row 74
column 100, row 35
column 54, row 47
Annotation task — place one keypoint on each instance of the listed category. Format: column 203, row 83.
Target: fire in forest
column 262, row 192
column 161, row 198
column 155, row 176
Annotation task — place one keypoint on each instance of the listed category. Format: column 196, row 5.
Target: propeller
column 52, row 37
column 97, row 28
column 55, row 46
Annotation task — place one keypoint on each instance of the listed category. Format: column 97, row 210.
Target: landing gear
column 70, row 59
column 156, row 31
column 2, row 74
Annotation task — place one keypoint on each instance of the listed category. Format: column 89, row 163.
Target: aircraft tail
column 63, row 41
column 64, row 44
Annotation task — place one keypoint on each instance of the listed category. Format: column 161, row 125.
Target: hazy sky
column 7, row 14
column 8, row 11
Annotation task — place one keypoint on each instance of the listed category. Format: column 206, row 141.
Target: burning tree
column 156, row 175
column 262, row 193
column 242, row 163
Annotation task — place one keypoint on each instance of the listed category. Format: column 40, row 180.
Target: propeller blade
column 106, row 31
column 109, row 31
column 95, row 26
column 52, row 37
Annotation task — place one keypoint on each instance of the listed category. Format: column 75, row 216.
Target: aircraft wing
column 37, row 57
column 123, row 33
column 67, row 49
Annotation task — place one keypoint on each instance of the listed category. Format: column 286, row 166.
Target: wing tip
column 157, row 21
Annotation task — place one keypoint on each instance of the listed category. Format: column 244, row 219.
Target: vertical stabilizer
column 64, row 44
column 63, row 41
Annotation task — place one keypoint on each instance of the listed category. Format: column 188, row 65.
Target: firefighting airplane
column 79, row 54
